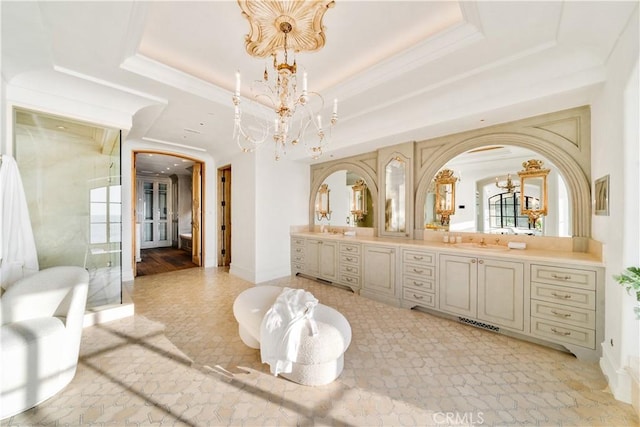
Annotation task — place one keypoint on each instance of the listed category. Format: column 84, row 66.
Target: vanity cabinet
column 418, row 278
column 563, row 304
column 379, row 273
column 350, row 265
column 321, row 259
column 484, row 289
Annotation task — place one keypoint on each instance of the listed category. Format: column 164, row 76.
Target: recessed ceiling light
column 61, row 127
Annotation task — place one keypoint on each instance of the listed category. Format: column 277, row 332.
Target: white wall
column 268, row 197
column 614, row 152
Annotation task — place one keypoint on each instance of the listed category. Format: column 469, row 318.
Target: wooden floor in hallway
column 163, row 260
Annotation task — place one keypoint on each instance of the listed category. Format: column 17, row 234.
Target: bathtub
column 185, row 241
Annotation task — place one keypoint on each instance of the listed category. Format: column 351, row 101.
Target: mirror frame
column 533, row 170
column 359, row 211
column 445, row 179
column 385, row 156
column 323, row 209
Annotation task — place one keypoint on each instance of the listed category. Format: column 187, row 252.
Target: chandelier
column 509, row 185
column 285, row 112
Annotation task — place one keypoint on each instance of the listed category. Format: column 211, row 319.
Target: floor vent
column 479, row 324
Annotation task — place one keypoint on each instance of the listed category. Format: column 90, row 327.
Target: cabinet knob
column 473, row 261
column 349, row 249
column 481, row 262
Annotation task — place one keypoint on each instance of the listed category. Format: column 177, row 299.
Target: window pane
column 98, row 233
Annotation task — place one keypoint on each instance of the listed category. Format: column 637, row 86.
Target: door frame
column 134, row 198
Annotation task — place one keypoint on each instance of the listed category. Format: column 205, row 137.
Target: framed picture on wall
column 601, row 195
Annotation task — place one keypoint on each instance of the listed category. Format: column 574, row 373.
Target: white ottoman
column 320, row 358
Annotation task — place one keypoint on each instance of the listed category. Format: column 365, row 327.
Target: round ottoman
column 320, row 358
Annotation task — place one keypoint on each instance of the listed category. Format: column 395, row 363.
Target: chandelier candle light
column 276, row 28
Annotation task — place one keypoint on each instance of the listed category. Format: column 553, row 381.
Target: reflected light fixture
column 509, row 185
column 287, row 112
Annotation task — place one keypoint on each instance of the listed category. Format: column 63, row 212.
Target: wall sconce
column 533, row 176
column 445, row 195
column 322, row 203
column 359, row 201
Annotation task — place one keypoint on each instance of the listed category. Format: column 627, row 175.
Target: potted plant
column 630, row 280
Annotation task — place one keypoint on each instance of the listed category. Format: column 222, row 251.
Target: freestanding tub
column 185, row 241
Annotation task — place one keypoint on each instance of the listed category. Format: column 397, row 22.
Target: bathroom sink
column 482, row 246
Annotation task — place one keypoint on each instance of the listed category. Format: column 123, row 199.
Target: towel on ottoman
column 281, row 327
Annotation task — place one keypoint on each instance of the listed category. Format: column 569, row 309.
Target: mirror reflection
column 395, row 200
column 322, row 203
column 350, row 201
column 488, row 195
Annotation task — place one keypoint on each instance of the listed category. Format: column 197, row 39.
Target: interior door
column 224, row 216
column 196, row 214
column 154, row 208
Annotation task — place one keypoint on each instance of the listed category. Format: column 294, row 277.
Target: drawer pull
column 555, row 276
column 349, row 249
column 298, row 250
column 418, row 283
column 555, row 313
column 418, row 258
column 557, row 332
column 565, row 296
column 349, row 269
column 298, row 258
column 415, row 270
column 418, row 296
column 349, row 258
column 348, row 279
column 473, row 261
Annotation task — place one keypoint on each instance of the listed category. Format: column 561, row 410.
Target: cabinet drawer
column 350, row 248
column 350, row 269
column 299, row 258
column 349, row 259
column 573, row 277
column 563, row 295
column 297, row 241
column 564, row 314
column 297, row 250
column 349, row 280
column 421, row 298
column 560, row 332
column 418, row 257
column 419, row 270
column 297, row 268
column 418, row 283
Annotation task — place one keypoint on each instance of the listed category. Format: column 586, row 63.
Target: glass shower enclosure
column 72, row 181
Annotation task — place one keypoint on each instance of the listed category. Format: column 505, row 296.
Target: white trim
column 618, row 379
column 108, row 313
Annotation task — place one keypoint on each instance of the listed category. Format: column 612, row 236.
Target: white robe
column 18, row 256
column 281, row 327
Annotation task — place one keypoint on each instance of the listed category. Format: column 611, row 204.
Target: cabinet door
column 328, row 262
column 312, row 257
column 380, row 269
column 501, row 293
column 458, row 285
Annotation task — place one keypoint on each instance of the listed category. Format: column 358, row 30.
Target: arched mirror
column 488, row 195
column 350, row 201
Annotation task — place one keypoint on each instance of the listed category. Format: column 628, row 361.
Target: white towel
column 281, row 327
column 517, row 245
column 18, row 256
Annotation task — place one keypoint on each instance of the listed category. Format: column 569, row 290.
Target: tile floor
column 179, row 361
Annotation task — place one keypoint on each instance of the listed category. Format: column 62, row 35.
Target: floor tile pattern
column 179, row 361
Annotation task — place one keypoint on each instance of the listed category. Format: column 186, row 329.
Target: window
column 105, row 215
column 505, row 217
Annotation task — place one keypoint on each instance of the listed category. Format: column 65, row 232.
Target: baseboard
column 618, row 379
column 242, row 273
column 634, row 373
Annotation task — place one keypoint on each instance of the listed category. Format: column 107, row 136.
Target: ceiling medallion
column 266, row 19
